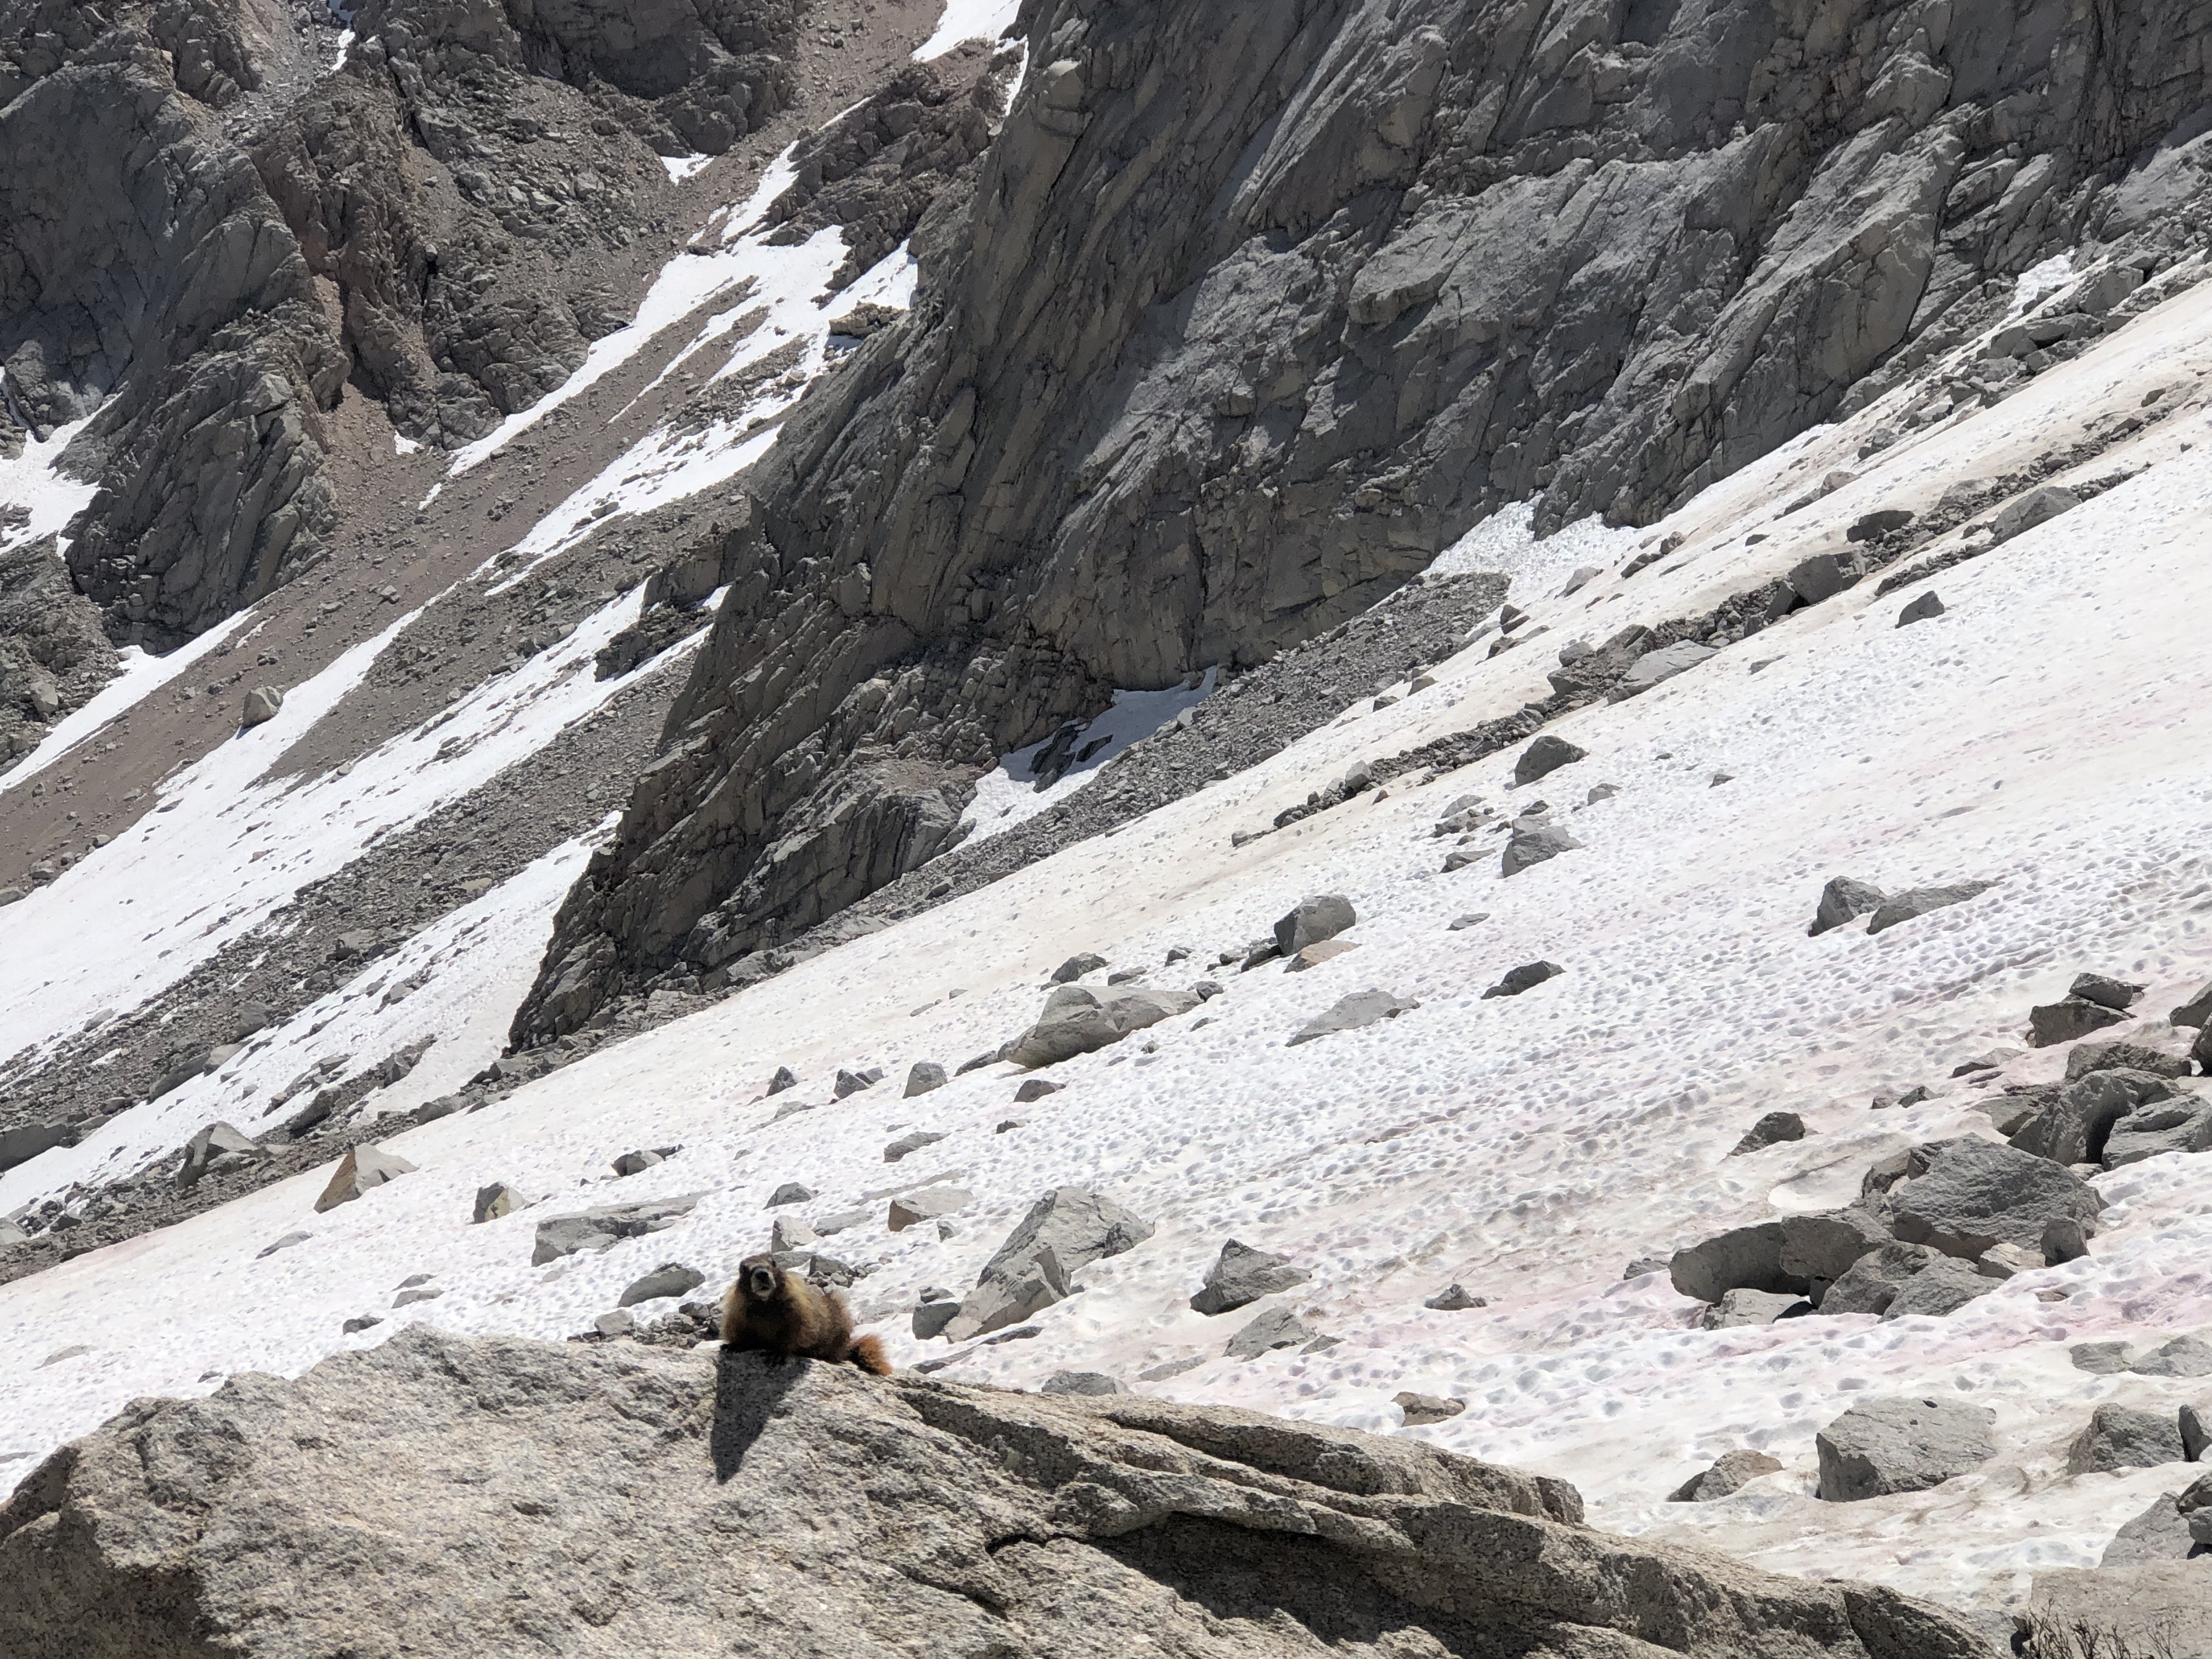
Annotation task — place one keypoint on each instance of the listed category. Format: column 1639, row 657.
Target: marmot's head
column 760, row 1278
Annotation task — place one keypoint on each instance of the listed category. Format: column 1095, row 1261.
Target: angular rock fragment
column 2071, row 1018
column 1961, row 1196
column 1242, row 1274
column 785, row 1078
column 1278, row 1327
column 2120, row 1437
column 1082, row 1385
column 1730, row 1474
column 1351, row 1013
column 2181, row 1356
column 496, row 1201
column 1313, row 955
column 790, row 1192
column 1546, row 755
column 1526, row 977
column 789, row 1233
column 1941, row 1288
column 1063, row 1232
column 851, row 1083
column 913, row 1141
column 923, row 1076
column 1076, row 966
column 1922, row 609
column 1770, row 1130
column 361, row 1170
column 1077, row 1021
column 1738, row 1308
column 1533, row 841
column 2123, row 1057
column 670, row 1278
column 1901, row 1444
column 911, row 1209
column 218, row 1146
column 1900, row 908
column 1036, row 1088
column 603, row 1228
column 2044, row 502
column 1321, row 917
column 261, row 705
column 1420, row 1408
column 2103, row 988
column 1655, row 667
column 2075, row 1123
column 1455, row 1298
column 1843, row 899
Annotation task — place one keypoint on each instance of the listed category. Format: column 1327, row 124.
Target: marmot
column 775, row 1312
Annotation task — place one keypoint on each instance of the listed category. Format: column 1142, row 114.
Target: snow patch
column 1506, row 542
column 35, row 482
column 968, row 20
column 681, row 167
column 1010, row 795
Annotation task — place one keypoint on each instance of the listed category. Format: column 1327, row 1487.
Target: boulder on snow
column 606, row 1226
column 217, row 1146
column 1076, row 966
column 2197, row 1012
column 791, row 1232
column 1872, row 1282
column 1079, row 1021
column 923, row 1076
column 1940, row 1289
column 2119, row 1437
column 2117, row 994
column 2076, row 1121
column 1421, row 1409
column 1844, row 899
column 638, row 1161
column 669, row 1278
column 2181, row 1356
column 1901, row 1444
column 496, row 1201
column 1917, row 901
column 1732, row 1472
column 2180, row 1124
column 1526, row 977
column 1351, row 1013
column 911, row 1209
column 1546, row 755
column 851, row 1083
column 1063, row 1232
column 2069, row 1019
column 1082, row 1385
column 2044, row 503
column 2121, row 1055
column 1278, row 1327
column 1242, row 1274
column 1919, row 609
column 1655, row 668
column 2160, row 1533
column 260, row 707
column 913, row 1141
column 362, row 1168
column 1455, row 1298
column 1324, row 915
column 1963, row 1196
column 790, row 1192
column 1534, row 840
column 785, row 1078
column 1770, row 1130
column 1318, row 952
column 1037, row 1088
column 1799, row 1255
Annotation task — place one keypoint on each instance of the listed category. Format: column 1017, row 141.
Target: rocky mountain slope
column 841, row 581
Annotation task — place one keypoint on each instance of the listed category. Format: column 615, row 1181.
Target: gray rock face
column 2124, row 1056
column 1090, row 1385
column 1962, row 1196
column 1242, row 1274
column 1351, row 1013
column 1313, row 921
column 363, row 1169
column 1900, row 908
column 2197, row 1012
column 1153, row 1511
column 1077, row 1021
column 1063, row 1232
column 2103, row 988
column 1901, row 1444
column 603, row 1228
column 2124, row 1437
column 1533, row 841
column 1728, row 1475
column 1843, row 898
column 1546, row 755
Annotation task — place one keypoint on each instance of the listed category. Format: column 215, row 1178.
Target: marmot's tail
column 868, row 1354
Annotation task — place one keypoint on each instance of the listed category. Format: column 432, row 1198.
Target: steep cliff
column 1248, row 315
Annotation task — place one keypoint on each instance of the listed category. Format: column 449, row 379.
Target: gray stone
column 1737, row 1308
column 1961, row 1196
column 1063, row 1232
column 670, row 1278
column 1943, row 1287
column 215, row 1140
column 1455, row 1298
column 911, row 1209
column 1533, row 842
column 2198, row 1010
column 1917, row 901
column 26, row 1141
column 1881, row 521
column 614, row 1322
column 2044, row 502
column 1770, row 1130
column 2003, row 1262
column 2117, row 994
column 1314, row 919
column 361, row 1322
column 785, row 1078
column 637, row 1163
column 2124, row 1437
column 284, row 1244
column 1078, row 1021
column 1901, row 1444
column 2100, row 1358
column 2124, row 1056
column 1526, row 977
column 1076, row 966
column 2074, row 1123
column 1922, row 609
column 930, row 1319
column 2160, row 1533
column 2181, row 1356
column 789, row 1233
column 913, row 1141
column 418, row 1293
column 1276, row 1328
column 1241, row 1274
column 924, row 1076
column 363, row 1169
column 496, row 1201
column 1730, row 1475
column 1471, row 919
column 1824, row 576
column 261, row 705
column 1655, row 667
column 790, row 1192
column 1351, row 1013
column 1087, row 1384
column 842, row 1221
column 1546, row 755
column 2181, row 1124
column 2064, row 1021
column 851, row 1083
column 1871, row 1284
column 1036, row 1088
column 2065, row 1239
column 605, row 1227
column 1420, row 1408
column 2195, row 1426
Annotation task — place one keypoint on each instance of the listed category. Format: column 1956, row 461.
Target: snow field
column 2048, row 732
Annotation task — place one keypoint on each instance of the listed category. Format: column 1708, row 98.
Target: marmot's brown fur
column 775, row 1312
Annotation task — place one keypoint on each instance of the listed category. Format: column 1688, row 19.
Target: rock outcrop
column 1250, row 311
column 476, row 1484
